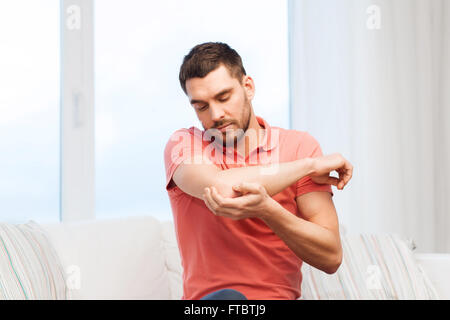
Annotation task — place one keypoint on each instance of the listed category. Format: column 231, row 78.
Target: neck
column 252, row 137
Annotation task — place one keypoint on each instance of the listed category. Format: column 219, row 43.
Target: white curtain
column 371, row 80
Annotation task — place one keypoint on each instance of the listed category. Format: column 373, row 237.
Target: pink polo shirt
column 245, row 255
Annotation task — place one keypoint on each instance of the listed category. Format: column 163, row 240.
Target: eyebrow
column 193, row 101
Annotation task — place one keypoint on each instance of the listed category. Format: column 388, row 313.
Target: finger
column 210, row 203
column 341, row 183
column 209, row 206
column 345, row 175
column 217, row 208
column 232, row 203
column 332, row 180
column 221, row 201
column 349, row 173
column 338, row 182
column 206, row 201
column 246, row 187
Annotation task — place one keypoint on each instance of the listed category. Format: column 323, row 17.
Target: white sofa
column 138, row 258
column 130, row 258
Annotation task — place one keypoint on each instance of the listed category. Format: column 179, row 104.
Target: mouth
column 224, row 127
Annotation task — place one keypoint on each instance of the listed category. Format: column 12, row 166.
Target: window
column 29, row 111
column 139, row 47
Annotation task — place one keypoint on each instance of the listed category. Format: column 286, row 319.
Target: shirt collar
column 269, row 141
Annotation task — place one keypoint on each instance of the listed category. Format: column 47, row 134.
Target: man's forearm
column 312, row 243
column 274, row 178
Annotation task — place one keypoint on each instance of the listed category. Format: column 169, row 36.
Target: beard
column 231, row 137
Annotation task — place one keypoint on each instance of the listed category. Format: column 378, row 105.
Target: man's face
column 222, row 103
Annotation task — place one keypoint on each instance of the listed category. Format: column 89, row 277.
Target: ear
column 249, row 87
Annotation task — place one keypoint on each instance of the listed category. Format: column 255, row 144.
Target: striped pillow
column 29, row 266
column 374, row 267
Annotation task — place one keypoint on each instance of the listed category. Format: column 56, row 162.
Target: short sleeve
column 183, row 145
column 309, row 147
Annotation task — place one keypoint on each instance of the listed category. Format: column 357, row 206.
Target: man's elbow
column 335, row 263
column 223, row 186
column 224, row 189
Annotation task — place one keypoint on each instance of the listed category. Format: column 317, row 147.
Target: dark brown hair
column 206, row 57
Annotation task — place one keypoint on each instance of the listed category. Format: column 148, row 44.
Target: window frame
column 77, row 154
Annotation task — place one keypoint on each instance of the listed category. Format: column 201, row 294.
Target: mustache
column 222, row 124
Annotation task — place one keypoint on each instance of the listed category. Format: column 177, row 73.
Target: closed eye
column 204, row 107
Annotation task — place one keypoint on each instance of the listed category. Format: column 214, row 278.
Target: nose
column 217, row 113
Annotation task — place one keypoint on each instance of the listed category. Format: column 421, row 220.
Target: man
column 250, row 202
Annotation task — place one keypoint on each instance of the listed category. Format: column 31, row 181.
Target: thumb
column 237, row 188
column 336, row 182
column 246, row 187
column 332, row 180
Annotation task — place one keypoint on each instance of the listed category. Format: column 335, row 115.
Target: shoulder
column 298, row 143
column 291, row 137
column 182, row 143
column 183, row 133
column 192, row 131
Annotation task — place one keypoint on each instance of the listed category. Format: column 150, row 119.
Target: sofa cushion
column 29, row 265
column 173, row 260
column 374, row 267
column 121, row 258
column 436, row 266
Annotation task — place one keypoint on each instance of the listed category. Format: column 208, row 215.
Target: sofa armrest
column 436, row 267
column 173, row 260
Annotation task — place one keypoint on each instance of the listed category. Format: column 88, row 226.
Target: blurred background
column 89, row 95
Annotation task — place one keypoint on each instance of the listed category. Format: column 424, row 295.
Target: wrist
column 272, row 208
column 307, row 166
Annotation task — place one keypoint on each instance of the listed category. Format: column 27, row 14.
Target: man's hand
column 253, row 202
column 322, row 166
